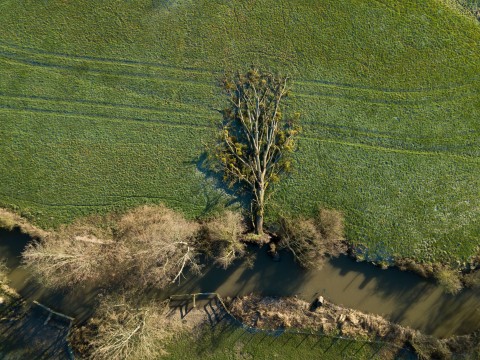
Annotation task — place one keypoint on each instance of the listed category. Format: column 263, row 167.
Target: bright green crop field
column 106, row 105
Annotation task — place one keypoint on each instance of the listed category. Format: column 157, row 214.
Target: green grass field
column 230, row 342
column 107, row 105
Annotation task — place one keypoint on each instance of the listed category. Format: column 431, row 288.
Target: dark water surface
column 402, row 297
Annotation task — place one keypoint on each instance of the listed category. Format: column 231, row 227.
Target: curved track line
column 385, row 101
column 393, row 150
column 381, row 89
column 208, row 127
column 120, row 198
column 205, row 127
column 300, row 93
column 385, row 134
column 101, row 71
column 128, row 62
column 120, row 61
column 194, row 110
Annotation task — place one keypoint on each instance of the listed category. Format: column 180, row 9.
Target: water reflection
column 399, row 296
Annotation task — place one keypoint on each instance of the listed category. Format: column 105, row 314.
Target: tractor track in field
column 119, row 198
column 167, row 108
column 318, row 88
column 377, row 147
column 152, row 111
column 77, row 68
column 428, row 100
column 313, row 89
column 345, row 129
column 103, row 116
column 465, row 158
column 333, row 131
column 360, row 133
column 7, row 45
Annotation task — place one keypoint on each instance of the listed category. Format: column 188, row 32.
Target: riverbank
column 10, row 220
column 324, row 316
column 452, row 278
column 400, row 296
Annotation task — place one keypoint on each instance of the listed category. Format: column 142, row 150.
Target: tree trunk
column 259, row 210
column 259, row 223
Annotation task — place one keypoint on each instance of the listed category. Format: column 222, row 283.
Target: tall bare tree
column 256, row 138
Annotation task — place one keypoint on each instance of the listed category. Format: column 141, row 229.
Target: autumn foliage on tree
column 256, row 138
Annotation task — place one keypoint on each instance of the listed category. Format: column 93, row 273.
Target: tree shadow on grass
column 218, row 195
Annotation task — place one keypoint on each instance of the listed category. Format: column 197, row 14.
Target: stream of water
column 401, row 297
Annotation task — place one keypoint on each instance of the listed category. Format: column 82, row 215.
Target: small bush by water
column 312, row 240
column 449, row 280
column 221, row 237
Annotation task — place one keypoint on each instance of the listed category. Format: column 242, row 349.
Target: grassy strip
column 226, row 341
column 107, row 106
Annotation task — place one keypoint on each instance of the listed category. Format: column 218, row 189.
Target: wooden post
column 194, row 305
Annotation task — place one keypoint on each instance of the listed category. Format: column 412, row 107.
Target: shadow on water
column 399, row 296
column 78, row 303
column 402, row 297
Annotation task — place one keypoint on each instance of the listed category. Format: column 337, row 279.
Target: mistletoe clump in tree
column 256, row 138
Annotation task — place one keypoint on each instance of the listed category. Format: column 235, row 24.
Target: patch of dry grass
column 449, row 280
column 148, row 246
column 158, row 245
column 71, row 256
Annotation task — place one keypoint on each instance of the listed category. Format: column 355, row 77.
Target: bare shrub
column 428, row 347
column 7, row 222
column 331, row 223
column 472, row 280
column 151, row 245
column 71, row 256
column 223, row 238
column 311, row 241
column 449, row 280
column 157, row 245
column 303, row 239
column 407, row 264
column 125, row 331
